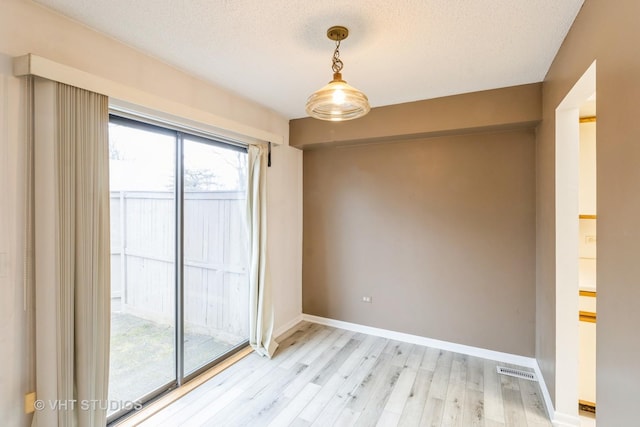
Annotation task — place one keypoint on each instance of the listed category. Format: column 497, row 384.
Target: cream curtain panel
column 78, row 296
column 261, row 316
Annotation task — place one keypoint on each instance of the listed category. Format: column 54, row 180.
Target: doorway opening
column 588, row 257
column 567, row 170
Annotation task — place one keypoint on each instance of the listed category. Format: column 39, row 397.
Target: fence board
column 215, row 259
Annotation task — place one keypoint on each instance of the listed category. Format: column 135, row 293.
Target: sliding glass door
column 179, row 283
column 216, row 289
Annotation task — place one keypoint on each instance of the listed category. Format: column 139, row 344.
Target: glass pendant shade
column 337, row 101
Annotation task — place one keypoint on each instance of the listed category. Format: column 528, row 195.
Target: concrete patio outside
column 143, row 355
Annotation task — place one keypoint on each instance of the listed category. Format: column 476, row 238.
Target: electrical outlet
column 366, row 299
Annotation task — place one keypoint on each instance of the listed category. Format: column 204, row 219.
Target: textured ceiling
column 276, row 52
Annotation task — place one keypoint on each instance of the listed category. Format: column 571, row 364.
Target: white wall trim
column 31, row 64
column 290, row 324
column 515, row 359
column 564, row 420
column 545, row 391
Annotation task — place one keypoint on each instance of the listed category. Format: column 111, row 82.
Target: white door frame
column 567, row 231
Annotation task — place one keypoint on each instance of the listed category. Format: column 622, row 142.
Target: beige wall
column 440, row 232
column 605, row 32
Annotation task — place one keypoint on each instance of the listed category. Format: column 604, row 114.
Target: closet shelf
column 585, row 216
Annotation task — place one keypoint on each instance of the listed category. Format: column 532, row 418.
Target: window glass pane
column 215, row 253
column 142, row 170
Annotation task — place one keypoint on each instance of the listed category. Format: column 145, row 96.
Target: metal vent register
column 518, row 373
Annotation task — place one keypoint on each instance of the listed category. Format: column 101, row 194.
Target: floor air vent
column 518, row 373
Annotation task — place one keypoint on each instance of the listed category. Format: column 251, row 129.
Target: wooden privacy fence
column 215, row 260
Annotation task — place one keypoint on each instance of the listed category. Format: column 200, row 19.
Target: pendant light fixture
column 337, row 101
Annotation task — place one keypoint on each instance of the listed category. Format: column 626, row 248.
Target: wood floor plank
column 342, row 382
column 337, row 360
column 299, row 422
column 475, row 373
column 365, row 354
column 323, row 376
column 432, row 415
column 493, row 404
column 210, row 411
column 304, row 329
column 211, row 391
column 491, row 423
column 315, row 368
column 534, row 408
column 246, row 388
column 412, row 411
column 254, row 381
column 401, row 351
column 513, row 408
column 295, row 406
column 334, row 338
column 452, row 415
column 347, row 390
column 430, row 359
column 259, row 407
column 512, row 399
column 328, row 392
column 434, row 406
column 388, row 419
column 306, row 346
column 442, row 373
column 415, row 356
column 402, row 390
column 473, row 408
column 380, row 396
column 359, row 354
column 374, row 378
column 188, row 401
column 347, row 418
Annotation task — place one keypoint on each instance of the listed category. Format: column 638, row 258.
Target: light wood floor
column 324, row 376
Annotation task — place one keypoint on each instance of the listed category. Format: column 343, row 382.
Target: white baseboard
column 545, row 392
column 290, row 324
column 515, row 359
column 564, row 420
column 498, row 356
